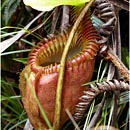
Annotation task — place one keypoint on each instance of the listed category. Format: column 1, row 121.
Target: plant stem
column 97, row 114
column 56, row 124
column 109, row 55
column 121, row 4
column 65, row 19
column 118, row 63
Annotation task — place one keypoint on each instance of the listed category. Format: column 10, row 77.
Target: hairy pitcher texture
column 43, row 68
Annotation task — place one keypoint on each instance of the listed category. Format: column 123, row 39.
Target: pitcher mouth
column 46, row 55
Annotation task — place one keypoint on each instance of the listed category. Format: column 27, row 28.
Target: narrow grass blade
column 5, row 44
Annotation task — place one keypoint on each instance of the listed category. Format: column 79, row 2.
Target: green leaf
column 47, row 5
column 22, row 60
column 10, row 9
